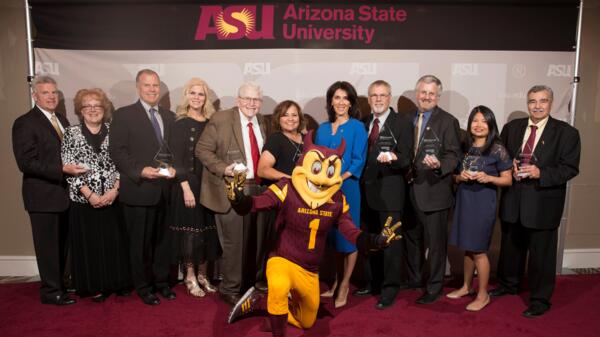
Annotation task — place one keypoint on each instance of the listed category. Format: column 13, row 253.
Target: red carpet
column 575, row 312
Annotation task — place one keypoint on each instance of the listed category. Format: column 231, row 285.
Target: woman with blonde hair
column 194, row 225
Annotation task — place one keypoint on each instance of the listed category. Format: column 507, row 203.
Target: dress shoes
column 428, row 298
column 149, row 298
column 99, row 298
column 167, row 293
column 499, row 291
column 230, row 299
column 123, row 293
column 384, row 303
column 62, row 299
column 535, row 310
column 366, row 291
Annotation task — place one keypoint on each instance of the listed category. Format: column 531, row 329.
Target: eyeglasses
column 252, row 100
column 92, row 107
column 381, row 96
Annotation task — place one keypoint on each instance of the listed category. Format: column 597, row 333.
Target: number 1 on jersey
column 314, row 226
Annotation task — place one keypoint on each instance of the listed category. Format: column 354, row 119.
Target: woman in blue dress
column 485, row 167
column 343, row 111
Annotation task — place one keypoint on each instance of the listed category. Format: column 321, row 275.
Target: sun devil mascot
column 308, row 205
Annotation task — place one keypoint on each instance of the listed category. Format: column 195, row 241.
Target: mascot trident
column 307, row 207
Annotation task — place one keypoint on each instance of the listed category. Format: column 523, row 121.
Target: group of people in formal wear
column 125, row 198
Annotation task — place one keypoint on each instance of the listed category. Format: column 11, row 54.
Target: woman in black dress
column 97, row 238
column 284, row 146
column 194, row 225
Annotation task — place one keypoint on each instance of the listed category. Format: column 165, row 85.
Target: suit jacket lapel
column 236, row 127
column 166, row 124
column 547, row 134
column 46, row 123
column 389, row 121
column 520, row 134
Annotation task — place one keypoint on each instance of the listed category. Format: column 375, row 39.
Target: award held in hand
column 430, row 144
column 164, row 160
column 386, row 143
column 473, row 161
column 525, row 157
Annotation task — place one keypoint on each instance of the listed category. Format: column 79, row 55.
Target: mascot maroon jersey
column 302, row 230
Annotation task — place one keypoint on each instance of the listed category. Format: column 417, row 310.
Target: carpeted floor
column 575, row 312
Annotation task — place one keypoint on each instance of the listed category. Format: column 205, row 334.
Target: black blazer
column 182, row 142
column 433, row 188
column 36, row 146
column 133, row 145
column 383, row 185
column 538, row 203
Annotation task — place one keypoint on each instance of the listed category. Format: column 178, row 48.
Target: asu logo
column 235, row 22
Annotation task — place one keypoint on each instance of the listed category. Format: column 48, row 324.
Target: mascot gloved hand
column 370, row 242
column 388, row 234
column 241, row 203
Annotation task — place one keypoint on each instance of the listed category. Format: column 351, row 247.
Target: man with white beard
column 384, row 189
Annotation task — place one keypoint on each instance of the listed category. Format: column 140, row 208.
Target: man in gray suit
column 235, row 136
column 437, row 149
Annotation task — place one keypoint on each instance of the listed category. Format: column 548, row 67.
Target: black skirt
column 99, row 256
column 195, row 229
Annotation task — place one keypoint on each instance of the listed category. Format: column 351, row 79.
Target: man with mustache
column 546, row 156
column 436, row 153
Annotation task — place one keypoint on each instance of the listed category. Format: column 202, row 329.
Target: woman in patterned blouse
column 99, row 256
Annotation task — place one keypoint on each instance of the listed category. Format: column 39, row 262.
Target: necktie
column 54, row 122
column 374, row 133
column 157, row 130
column 418, row 131
column 527, row 152
column 254, row 151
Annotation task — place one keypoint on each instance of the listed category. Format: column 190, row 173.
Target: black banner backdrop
column 178, row 25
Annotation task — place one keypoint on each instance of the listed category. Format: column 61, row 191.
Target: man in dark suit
column 37, row 137
column 138, row 132
column 437, row 150
column 384, row 188
column 546, row 153
column 235, row 136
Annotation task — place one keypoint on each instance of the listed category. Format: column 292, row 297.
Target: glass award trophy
column 525, row 157
column 430, row 144
column 164, row 160
column 386, row 141
column 473, row 161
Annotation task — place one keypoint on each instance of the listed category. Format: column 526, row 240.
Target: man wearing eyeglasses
column 235, row 136
column 546, row 156
column 138, row 133
column 37, row 138
column 384, row 188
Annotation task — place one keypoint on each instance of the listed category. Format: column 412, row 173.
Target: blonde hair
column 208, row 108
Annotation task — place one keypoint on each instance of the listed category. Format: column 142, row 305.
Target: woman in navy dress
column 197, row 241
column 485, row 167
column 343, row 111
